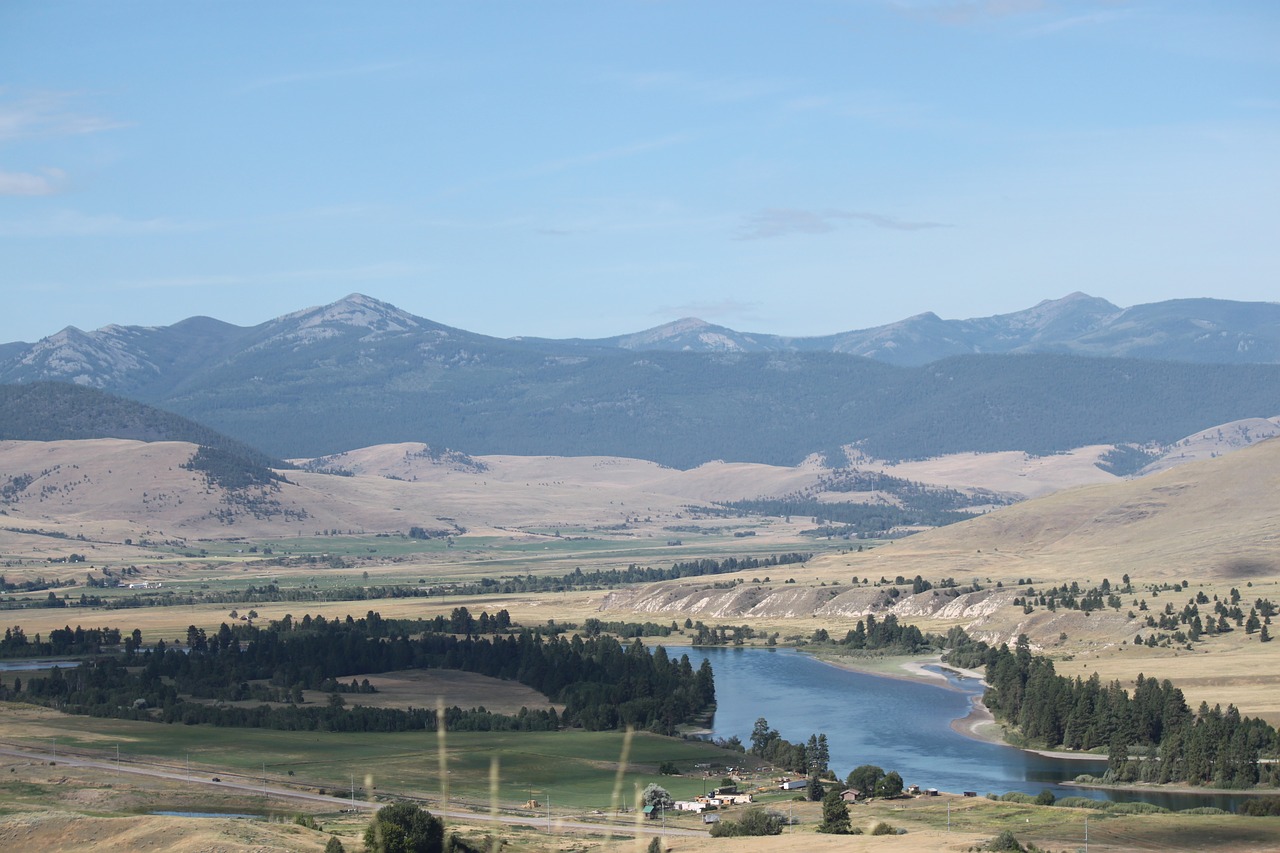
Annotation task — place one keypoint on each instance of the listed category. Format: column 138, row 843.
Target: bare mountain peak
column 357, row 311
column 353, row 310
column 689, row 333
column 686, row 324
column 675, row 328
column 84, row 358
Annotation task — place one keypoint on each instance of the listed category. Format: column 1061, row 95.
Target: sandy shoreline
column 978, row 724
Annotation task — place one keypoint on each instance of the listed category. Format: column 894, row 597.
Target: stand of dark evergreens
column 632, row 574
column 1151, row 735
column 601, row 683
column 61, row 641
column 807, row 758
column 888, row 635
column 853, row 519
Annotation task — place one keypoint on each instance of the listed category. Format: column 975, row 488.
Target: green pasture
column 575, row 769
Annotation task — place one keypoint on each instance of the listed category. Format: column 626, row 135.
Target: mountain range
column 361, row 372
column 1196, row 330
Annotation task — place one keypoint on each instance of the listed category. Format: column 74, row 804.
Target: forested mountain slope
column 359, row 372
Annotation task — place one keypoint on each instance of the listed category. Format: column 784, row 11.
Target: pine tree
column 835, row 814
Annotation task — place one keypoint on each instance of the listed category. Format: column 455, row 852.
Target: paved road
column 162, row 772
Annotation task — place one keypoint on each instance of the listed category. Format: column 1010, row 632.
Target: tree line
column 505, row 585
column 1151, row 735
column 602, row 683
column 61, row 641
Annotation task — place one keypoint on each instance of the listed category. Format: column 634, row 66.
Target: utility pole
column 188, row 767
column 117, row 759
column 353, row 793
column 948, row 815
column 1086, row 834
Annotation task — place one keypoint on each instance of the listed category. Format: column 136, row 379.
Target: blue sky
column 592, row 168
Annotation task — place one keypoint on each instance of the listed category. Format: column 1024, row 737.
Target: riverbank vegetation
column 1151, row 735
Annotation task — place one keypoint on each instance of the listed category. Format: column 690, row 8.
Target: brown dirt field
column 422, row 688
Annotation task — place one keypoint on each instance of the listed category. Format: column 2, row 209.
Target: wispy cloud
column 619, row 152
column 324, row 75
column 71, row 223
column 1091, row 20
column 870, row 106
column 779, row 222
column 716, row 89
column 48, row 114
column 48, row 182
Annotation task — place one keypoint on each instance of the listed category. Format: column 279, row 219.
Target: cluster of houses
column 853, row 795
column 729, row 796
column 717, row 799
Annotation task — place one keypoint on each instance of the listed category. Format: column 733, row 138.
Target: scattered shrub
column 1081, row 803
column 754, row 821
column 1005, row 842
column 1262, row 807
column 1135, row 808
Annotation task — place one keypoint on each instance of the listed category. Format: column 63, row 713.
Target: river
column 898, row 724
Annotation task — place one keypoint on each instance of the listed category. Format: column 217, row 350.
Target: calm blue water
column 896, row 724
column 36, row 664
